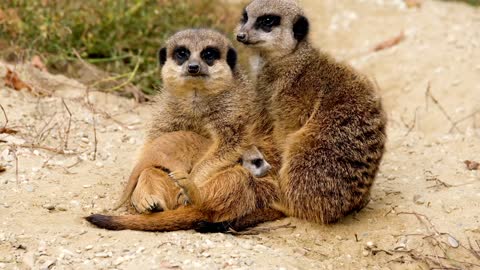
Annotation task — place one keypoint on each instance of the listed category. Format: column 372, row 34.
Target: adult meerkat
column 328, row 121
column 205, row 93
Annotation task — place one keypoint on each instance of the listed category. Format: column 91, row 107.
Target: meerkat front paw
column 154, row 192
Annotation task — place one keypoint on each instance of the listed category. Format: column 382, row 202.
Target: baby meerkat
column 328, row 121
column 205, row 93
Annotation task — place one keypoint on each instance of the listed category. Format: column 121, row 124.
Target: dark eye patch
column 210, row 54
column 244, row 18
column 258, row 162
column 181, row 55
column 267, row 22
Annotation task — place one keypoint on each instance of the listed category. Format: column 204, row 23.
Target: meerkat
column 150, row 189
column 205, row 93
column 328, row 122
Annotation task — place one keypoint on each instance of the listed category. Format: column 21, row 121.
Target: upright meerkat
column 206, row 94
column 327, row 119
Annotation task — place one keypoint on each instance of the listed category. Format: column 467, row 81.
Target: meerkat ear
column 232, row 58
column 162, row 56
column 300, row 28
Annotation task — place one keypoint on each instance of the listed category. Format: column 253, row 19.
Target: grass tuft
column 118, row 36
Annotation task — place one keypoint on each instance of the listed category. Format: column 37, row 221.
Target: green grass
column 119, row 36
column 475, row 3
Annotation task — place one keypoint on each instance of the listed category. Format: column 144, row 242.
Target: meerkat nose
column 193, row 68
column 242, row 37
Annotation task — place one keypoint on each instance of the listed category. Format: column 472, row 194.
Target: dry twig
column 69, row 124
column 258, row 230
column 428, row 94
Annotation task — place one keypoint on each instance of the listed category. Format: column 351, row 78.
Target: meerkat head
column 197, row 60
column 273, row 27
column 254, row 161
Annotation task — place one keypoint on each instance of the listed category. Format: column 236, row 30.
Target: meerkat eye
column 267, row 22
column 244, row 18
column 258, row 162
column 181, row 54
column 209, row 55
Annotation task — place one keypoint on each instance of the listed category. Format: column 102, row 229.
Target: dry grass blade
column 4, row 129
column 389, row 42
column 67, row 133
column 428, row 94
column 258, row 230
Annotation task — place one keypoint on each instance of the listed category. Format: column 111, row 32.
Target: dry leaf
column 2, row 169
column 38, row 63
column 413, row 3
column 472, row 165
column 8, row 131
column 12, row 80
column 389, row 43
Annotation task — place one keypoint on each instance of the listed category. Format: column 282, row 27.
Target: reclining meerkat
column 150, row 189
column 328, row 122
column 206, row 94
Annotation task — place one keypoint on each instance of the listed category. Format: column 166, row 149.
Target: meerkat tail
column 240, row 224
column 183, row 218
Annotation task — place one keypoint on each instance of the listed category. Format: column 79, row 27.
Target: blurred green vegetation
column 470, row 2
column 119, row 36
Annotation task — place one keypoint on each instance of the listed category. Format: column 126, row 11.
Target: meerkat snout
column 242, row 37
column 193, row 68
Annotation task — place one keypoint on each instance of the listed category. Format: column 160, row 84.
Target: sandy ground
column 425, row 206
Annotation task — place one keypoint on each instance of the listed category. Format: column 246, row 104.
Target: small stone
column 104, row 254
column 48, row 206
column 85, row 140
column 99, row 164
column 371, row 245
column 47, row 264
column 418, row 199
column 29, row 260
column 29, row 188
column 87, row 186
column 453, row 242
column 89, row 247
column 61, row 207
column 365, row 253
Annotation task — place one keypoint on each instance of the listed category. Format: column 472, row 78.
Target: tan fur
column 225, row 112
column 328, row 121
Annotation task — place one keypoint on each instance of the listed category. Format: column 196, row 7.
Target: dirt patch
column 424, row 209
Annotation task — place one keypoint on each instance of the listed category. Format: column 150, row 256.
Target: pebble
column 89, row 247
column 365, row 253
column 47, row 264
column 29, row 260
column 371, row 244
column 104, row 254
column 48, row 206
column 61, row 207
column 418, row 199
column 99, row 164
column 453, row 242
column 29, row 188
column 87, row 186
